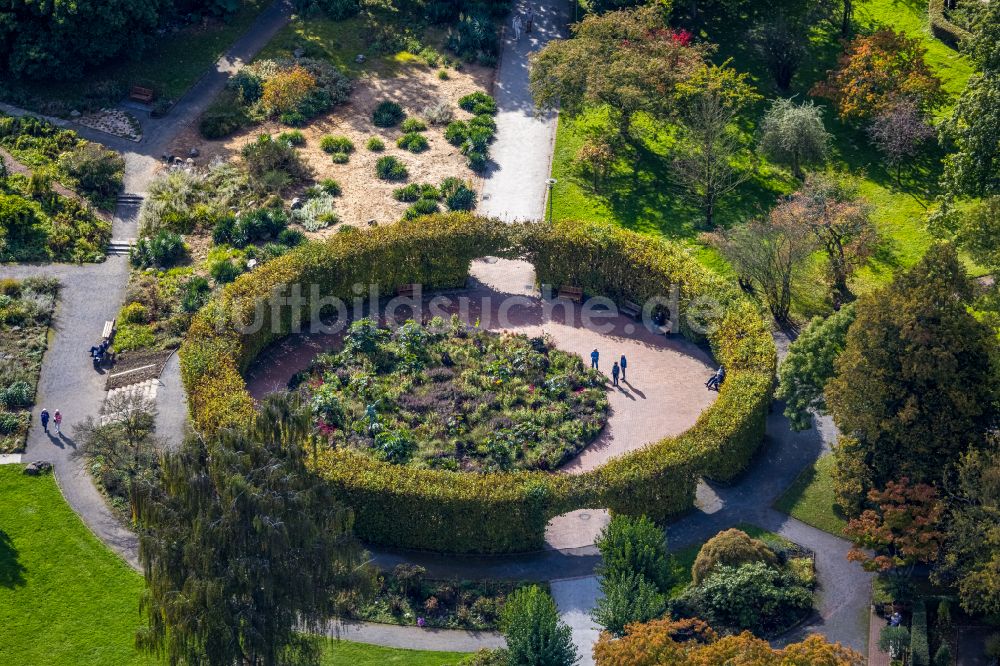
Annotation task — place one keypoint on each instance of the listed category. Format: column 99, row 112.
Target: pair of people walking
column 526, row 24
column 56, row 421
column 617, row 369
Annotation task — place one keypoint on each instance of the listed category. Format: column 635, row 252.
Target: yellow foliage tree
column 284, row 91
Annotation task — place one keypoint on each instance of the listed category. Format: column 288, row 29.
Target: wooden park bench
column 631, row 309
column 140, row 94
column 572, row 293
column 109, row 330
column 408, row 290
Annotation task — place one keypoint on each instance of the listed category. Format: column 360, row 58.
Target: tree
column 971, row 557
column 670, row 643
column 973, row 169
column 793, row 134
column 95, row 169
column 244, row 548
column 624, row 62
column 809, row 365
column 769, row 254
column 535, row 635
column 915, row 385
column 635, row 545
column 878, row 71
column 57, row 40
column 627, row 598
column 732, row 547
column 899, row 133
column 983, row 45
column 782, row 44
column 840, row 219
column 902, row 530
column 709, row 142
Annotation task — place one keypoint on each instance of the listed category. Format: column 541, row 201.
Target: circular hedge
column 499, row 512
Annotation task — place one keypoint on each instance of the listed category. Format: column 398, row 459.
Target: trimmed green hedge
column 495, row 513
column 920, row 650
column 941, row 27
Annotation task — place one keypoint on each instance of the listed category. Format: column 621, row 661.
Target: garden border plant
column 448, row 511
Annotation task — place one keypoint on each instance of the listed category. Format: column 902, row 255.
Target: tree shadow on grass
column 11, row 569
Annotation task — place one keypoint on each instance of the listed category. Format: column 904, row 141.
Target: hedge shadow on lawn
column 503, row 512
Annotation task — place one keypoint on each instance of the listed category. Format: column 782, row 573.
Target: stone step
column 117, row 248
column 130, row 199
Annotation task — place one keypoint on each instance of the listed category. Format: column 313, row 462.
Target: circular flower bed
column 450, row 397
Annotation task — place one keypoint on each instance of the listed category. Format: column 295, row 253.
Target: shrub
column 635, row 546
column 478, row 103
column 293, row 138
column 225, row 271
column 443, row 74
column 627, row 598
column 317, row 213
column 273, row 165
column 456, row 133
column 407, row 193
column 387, row 114
column 390, row 168
column 340, row 158
column 477, row 160
column 291, row 238
column 286, row 90
column 98, row 172
column 331, row 187
column 942, row 28
column 943, row 656
column 413, row 125
column 920, row 650
column 535, row 635
column 421, row 207
column 12, row 423
column 375, row 144
column 17, row 395
column 732, row 547
column 457, row 194
column 130, row 337
column 134, row 313
column 194, row 294
column 162, row 250
column 894, row 640
column 336, row 144
column 414, row 142
column 438, row 113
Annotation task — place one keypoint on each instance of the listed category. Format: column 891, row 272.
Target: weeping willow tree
column 244, row 548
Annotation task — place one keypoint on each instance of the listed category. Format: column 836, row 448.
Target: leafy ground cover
column 811, row 498
column 25, row 314
column 171, row 65
column 450, row 398
column 644, row 198
column 59, row 582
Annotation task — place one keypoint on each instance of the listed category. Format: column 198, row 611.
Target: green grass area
column 66, row 599
column 647, row 201
column 170, row 65
column 810, row 498
column 339, row 653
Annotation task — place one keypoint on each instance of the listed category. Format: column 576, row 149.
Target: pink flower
column 420, row 622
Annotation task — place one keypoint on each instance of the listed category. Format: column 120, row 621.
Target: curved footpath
column 514, row 189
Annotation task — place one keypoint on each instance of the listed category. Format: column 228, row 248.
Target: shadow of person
column 628, row 394
column 634, row 389
column 11, row 569
column 55, row 439
column 67, row 439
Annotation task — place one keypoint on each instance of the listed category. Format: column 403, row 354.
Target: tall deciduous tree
column 243, row 547
column 973, row 170
column 769, row 253
column 971, row 559
column 878, row 71
column 710, row 143
column 915, row 385
column 793, row 134
column 624, row 62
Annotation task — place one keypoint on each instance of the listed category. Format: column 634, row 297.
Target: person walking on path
column 623, row 363
column 614, row 374
column 529, row 22
column 57, row 419
column 44, row 416
column 594, row 355
column 516, row 24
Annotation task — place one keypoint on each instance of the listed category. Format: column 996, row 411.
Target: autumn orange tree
column 692, row 643
column 902, row 530
column 878, row 71
column 284, row 91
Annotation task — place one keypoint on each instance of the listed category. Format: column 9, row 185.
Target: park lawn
column 340, row 653
column 170, row 65
column 648, row 202
column 810, row 498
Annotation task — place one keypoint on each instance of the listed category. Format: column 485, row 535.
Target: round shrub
column 331, row 187
column 12, row 423
column 375, row 144
column 477, row 160
column 478, row 103
column 291, row 238
column 225, row 271
column 443, row 74
column 340, row 158
column 731, row 547
column 390, row 168
column 485, row 122
column 194, row 294
column 457, row 194
column 421, row 207
column 445, row 511
column 387, row 114
column 413, row 125
column 293, row 138
column 415, row 142
column 17, row 395
column 134, row 313
column 456, row 132
column 336, row 144
column 162, row 250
